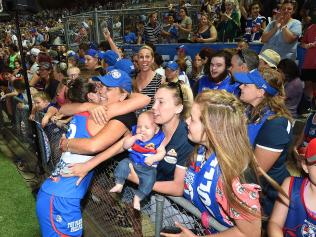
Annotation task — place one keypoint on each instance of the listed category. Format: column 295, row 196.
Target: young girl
column 297, row 216
column 42, row 103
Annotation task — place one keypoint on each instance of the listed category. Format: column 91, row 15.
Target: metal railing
column 113, row 215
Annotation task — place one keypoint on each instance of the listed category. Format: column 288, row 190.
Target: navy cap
column 116, row 78
column 172, row 65
column 92, row 52
column 254, row 77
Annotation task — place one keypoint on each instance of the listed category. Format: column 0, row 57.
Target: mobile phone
column 171, row 230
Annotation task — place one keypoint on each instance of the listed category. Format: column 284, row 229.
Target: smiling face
column 165, row 108
column 145, row 59
column 40, row 103
column 255, row 10
column 287, row 10
column 204, row 20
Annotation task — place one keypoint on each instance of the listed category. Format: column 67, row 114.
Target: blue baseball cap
column 92, row 52
column 254, row 77
column 125, row 65
column 110, row 57
column 172, row 65
column 116, row 78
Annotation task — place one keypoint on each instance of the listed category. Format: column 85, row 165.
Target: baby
column 145, row 150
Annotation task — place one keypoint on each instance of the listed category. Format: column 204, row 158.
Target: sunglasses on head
column 241, row 56
column 177, row 86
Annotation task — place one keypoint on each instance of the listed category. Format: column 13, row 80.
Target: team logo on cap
column 115, row 74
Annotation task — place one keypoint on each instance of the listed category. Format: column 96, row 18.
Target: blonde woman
column 270, row 128
column 219, row 180
column 147, row 80
column 206, row 32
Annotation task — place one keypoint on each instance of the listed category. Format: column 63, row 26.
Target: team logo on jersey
column 308, row 229
column 171, row 157
column 59, row 219
column 150, row 146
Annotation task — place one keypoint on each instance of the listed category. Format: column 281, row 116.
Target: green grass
column 17, row 205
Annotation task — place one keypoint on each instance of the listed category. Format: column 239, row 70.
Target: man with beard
column 218, row 76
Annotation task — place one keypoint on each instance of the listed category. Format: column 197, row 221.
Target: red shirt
column 310, row 37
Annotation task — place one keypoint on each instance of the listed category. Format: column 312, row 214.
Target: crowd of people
column 217, row 129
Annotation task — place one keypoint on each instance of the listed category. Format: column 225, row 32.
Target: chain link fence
column 113, row 214
column 116, row 21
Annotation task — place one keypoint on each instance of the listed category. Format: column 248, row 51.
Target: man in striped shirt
column 152, row 29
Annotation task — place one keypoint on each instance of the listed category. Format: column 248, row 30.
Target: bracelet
column 283, row 27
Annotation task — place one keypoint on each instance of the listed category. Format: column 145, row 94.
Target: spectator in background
column 182, row 51
column 255, row 23
column 83, row 47
column 292, row 84
column 219, row 77
column 212, row 9
column 152, row 29
column 197, row 70
column 309, row 67
column 170, row 31
column 34, row 60
column 206, row 32
column 39, row 38
column 13, row 51
column 282, row 34
column 242, row 44
column 228, row 25
column 268, row 58
column 185, row 26
column 244, row 60
column 129, row 36
column 308, row 12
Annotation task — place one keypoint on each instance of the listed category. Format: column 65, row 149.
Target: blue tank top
column 299, row 222
column 140, row 150
column 206, row 83
column 200, row 184
column 66, row 186
column 205, row 34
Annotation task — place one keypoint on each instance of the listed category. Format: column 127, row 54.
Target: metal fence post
column 96, row 26
column 66, row 20
column 159, row 214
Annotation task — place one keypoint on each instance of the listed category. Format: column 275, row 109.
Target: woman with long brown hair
column 270, row 125
column 221, row 178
